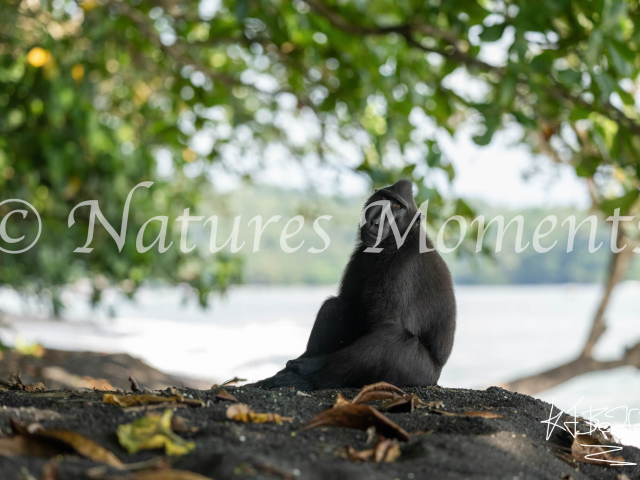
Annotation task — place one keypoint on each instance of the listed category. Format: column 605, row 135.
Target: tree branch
column 585, row 362
column 557, row 91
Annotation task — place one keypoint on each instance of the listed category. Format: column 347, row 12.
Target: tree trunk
column 618, row 267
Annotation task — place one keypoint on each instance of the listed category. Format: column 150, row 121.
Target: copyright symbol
column 3, row 226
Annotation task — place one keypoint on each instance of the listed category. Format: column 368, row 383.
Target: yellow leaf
column 132, row 400
column 151, row 432
column 242, row 413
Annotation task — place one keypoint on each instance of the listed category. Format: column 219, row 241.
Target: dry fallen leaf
column 358, row 416
column 35, row 387
column 133, row 400
column 180, row 425
column 588, row 449
column 468, row 414
column 81, row 444
column 222, row 394
column 234, row 380
column 435, row 404
column 241, row 412
column 385, row 451
column 151, row 432
column 340, row 401
column 28, row 446
column 377, row 391
column 407, row 403
column 37, row 442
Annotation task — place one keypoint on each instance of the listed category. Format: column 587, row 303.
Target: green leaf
column 624, row 203
column 493, row 33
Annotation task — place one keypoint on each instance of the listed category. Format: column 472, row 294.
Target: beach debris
column 407, row 403
column 435, row 404
column 361, row 417
column 222, row 394
column 135, row 388
column 181, row 425
column 152, row 432
column 378, row 391
column 149, row 399
column 588, row 449
column 35, row 441
column 385, row 450
column 341, row 401
column 241, row 412
column 233, row 380
column 396, row 399
column 15, row 383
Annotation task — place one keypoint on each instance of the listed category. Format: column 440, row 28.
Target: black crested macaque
column 395, row 314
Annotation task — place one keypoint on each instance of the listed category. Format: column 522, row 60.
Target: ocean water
column 503, row 332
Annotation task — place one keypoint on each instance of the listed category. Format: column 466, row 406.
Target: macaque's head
column 386, row 205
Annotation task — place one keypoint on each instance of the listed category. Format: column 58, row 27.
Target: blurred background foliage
column 97, row 96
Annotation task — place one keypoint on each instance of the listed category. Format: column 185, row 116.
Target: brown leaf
column 81, row 444
column 29, row 446
column 241, row 412
column 385, row 451
column 435, row 404
column 234, row 380
column 180, row 425
column 585, row 447
column 222, row 394
column 469, row 414
column 407, row 403
column 35, row 387
column 358, row 416
column 341, row 401
column 165, row 475
column 365, row 392
column 133, row 400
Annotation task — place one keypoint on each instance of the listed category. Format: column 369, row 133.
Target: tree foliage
column 93, row 92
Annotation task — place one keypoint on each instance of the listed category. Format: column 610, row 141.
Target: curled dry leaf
column 241, row 412
column 222, row 394
column 385, row 391
column 151, row 432
column 468, row 414
column 358, row 416
column 386, row 451
column 234, row 380
column 407, row 403
column 588, row 449
column 340, row 401
column 134, row 400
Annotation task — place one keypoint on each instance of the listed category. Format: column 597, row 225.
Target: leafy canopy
column 94, row 92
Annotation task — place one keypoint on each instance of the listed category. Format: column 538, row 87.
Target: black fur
column 394, row 317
